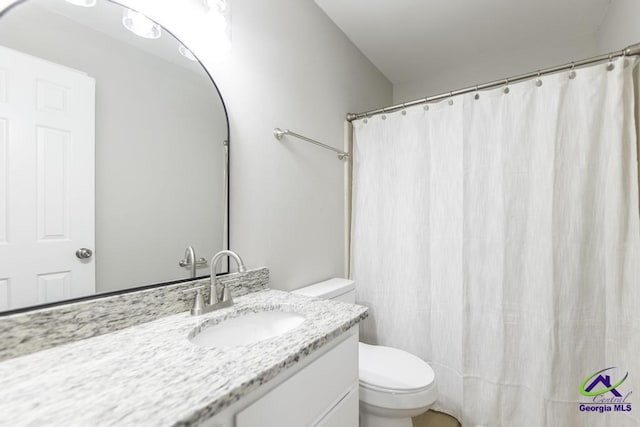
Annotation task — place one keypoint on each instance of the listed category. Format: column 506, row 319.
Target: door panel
column 53, row 179
column 4, row 294
column 54, row 286
column 47, row 138
column 3, row 85
column 51, row 97
column 4, row 174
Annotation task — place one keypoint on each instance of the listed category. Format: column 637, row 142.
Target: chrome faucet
column 190, row 261
column 215, row 303
column 190, row 258
column 226, row 294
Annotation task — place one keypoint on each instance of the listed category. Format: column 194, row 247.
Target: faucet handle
column 198, row 304
column 213, row 291
column 226, row 294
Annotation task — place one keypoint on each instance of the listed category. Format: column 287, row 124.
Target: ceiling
column 406, row 39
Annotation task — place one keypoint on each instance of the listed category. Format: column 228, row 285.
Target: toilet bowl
column 394, row 385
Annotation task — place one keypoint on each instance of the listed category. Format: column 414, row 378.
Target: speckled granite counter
column 151, row 375
column 42, row 328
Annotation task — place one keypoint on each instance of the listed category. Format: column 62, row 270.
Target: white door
column 47, row 137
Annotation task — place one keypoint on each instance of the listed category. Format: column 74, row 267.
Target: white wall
column 289, row 66
column 159, row 133
column 482, row 69
column 619, row 29
column 621, row 26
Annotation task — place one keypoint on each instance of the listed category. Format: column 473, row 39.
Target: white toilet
column 394, row 385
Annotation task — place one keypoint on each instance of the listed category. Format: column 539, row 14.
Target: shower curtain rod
column 632, row 50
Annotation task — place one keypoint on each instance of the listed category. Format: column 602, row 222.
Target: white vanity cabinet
column 320, row 391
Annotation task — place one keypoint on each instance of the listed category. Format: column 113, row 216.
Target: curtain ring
column 404, row 109
column 477, row 96
column 426, row 104
column 539, row 80
column 610, row 65
column 384, row 115
column 506, row 86
column 572, row 74
column 624, row 56
column 450, row 100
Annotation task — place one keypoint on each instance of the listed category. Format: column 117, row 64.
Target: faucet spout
column 217, row 257
column 190, row 257
column 213, row 294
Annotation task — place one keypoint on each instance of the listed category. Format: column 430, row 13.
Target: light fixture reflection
column 83, row 3
column 219, row 5
column 186, row 53
column 219, row 22
column 218, row 17
column 140, row 25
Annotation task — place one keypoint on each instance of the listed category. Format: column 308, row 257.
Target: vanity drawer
column 345, row 413
column 305, row 397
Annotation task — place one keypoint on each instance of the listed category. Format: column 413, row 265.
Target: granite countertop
column 151, row 375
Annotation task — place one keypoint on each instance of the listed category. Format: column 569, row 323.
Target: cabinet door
column 345, row 413
column 306, row 396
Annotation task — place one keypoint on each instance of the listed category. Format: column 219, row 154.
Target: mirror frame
column 227, row 171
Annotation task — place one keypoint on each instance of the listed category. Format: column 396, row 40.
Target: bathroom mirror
column 113, row 154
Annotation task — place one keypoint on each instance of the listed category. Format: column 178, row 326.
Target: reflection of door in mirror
column 46, row 180
column 157, row 180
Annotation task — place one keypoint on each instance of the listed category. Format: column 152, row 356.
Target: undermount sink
column 247, row 329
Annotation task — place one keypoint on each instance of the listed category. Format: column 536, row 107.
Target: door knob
column 84, row 253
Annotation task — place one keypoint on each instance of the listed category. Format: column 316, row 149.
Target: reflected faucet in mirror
column 138, row 119
column 190, row 261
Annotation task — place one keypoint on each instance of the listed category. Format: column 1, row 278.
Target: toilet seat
column 394, row 379
column 390, row 369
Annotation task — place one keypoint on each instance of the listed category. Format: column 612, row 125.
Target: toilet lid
column 393, row 369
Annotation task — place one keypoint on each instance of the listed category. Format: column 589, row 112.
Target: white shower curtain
column 499, row 240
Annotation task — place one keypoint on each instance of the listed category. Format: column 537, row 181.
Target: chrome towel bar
column 279, row 133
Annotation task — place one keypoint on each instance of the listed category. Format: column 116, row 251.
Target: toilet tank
column 336, row 289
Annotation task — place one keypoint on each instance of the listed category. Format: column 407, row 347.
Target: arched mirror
column 113, row 154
